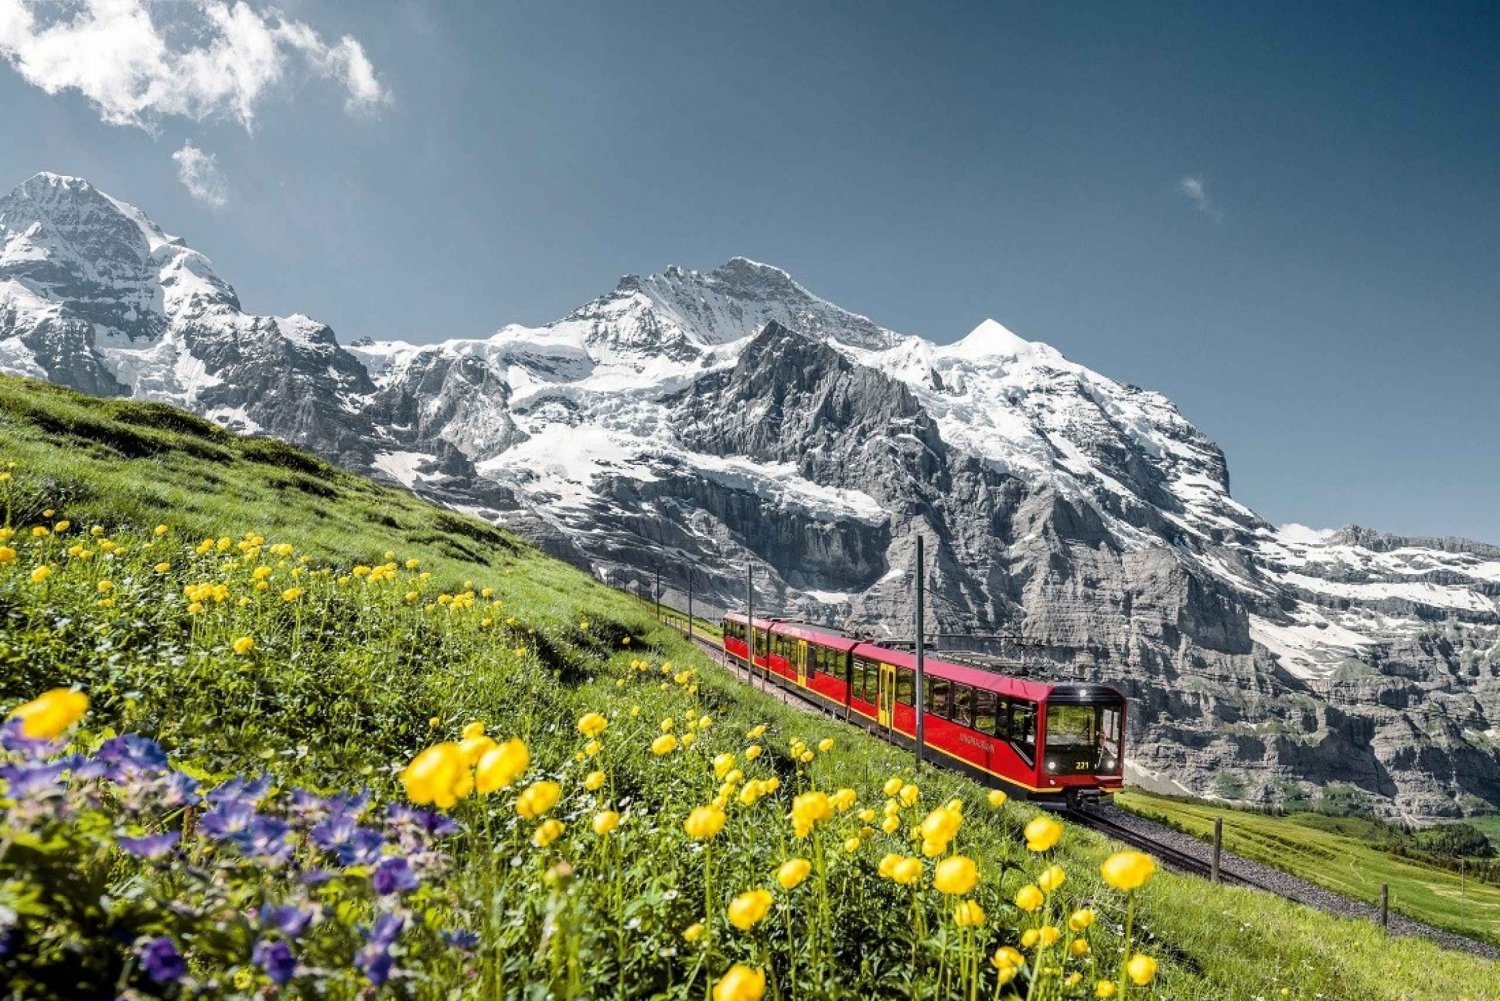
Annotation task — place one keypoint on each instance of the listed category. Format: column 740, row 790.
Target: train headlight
column 1052, row 764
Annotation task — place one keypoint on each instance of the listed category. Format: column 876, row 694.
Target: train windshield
column 1084, row 739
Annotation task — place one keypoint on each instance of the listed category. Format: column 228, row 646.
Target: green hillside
column 1324, row 851
column 292, row 619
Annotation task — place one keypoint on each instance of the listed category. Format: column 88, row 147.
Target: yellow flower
column 1141, row 969
column 1073, row 979
column 851, row 845
column 291, row 594
column 668, row 724
column 888, row 864
column 51, row 714
column 941, row 825
column 244, row 644
column 753, row 751
column 997, row 798
column 592, row 724
column 162, row 567
column 825, row 745
column 62, row 526
column 1078, row 948
column 592, row 748
column 501, row 765
column 536, row 799
column 1042, row 833
column 891, row 824
column 474, row 729
column 693, row 932
column 908, row 794
column 1081, row 919
column 593, row 781
column 968, row 914
column 665, row 744
column 1029, row 938
column 956, row 875
column 605, row 821
column 40, row 574
column 809, row 809
column 1128, row 870
column 1048, row 934
column 907, row 871
column 741, row 983
column 843, row 799
column 1105, row 989
column 793, row 872
column 547, row 832
column 746, row 910
column 1007, row 962
column 1029, row 898
column 722, row 764
column 160, row 530
column 7, row 555
column 1051, row 878
column 704, row 822
column 473, row 748
column 756, row 732
column 436, row 775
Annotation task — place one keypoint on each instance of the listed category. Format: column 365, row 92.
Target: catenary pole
column 917, row 695
column 690, row 601
column 658, row 592
column 750, row 620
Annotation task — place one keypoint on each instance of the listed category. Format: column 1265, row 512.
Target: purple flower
column 246, row 790
column 290, row 920
column 130, row 757
column 162, row 961
column 393, row 875
column 229, row 819
column 276, row 959
column 431, row 823
column 267, row 839
column 13, row 738
column 461, row 939
column 352, row 843
column 179, row 789
column 375, row 958
column 151, row 846
column 34, row 780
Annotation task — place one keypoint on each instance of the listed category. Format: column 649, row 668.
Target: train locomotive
column 1056, row 743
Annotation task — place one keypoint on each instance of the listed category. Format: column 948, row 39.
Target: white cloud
column 196, row 59
column 200, row 173
column 1196, row 190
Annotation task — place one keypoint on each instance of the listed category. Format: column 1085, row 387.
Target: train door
column 802, row 663
column 886, row 704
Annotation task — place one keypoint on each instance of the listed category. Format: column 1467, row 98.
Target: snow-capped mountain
column 731, row 416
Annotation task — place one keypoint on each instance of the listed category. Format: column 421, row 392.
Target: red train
column 1048, row 742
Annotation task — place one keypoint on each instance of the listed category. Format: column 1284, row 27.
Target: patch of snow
column 401, row 466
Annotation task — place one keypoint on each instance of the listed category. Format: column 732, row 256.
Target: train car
column 1051, row 742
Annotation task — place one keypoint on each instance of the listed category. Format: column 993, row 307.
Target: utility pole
column 690, row 601
column 658, row 592
column 750, row 620
column 921, row 676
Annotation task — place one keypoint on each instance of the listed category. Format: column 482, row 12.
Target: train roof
column 1065, row 692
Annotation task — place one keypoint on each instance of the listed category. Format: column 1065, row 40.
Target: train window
column 1023, row 729
column 905, row 681
column 984, row 711
column 963, row 705
column 937, row 696
column 869, row 680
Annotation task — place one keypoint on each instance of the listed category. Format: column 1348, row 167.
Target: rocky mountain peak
column 724, row 417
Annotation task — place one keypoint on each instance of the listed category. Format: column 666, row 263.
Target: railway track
column 1175, row 850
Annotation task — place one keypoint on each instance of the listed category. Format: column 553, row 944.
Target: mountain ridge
column 728, row 417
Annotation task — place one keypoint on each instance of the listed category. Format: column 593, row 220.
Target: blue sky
column 1285, row 217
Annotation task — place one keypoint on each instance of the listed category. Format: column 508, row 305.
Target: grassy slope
column 127, row 465
column 1339, row 862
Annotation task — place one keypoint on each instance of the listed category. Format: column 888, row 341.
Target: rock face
column 727, row 417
